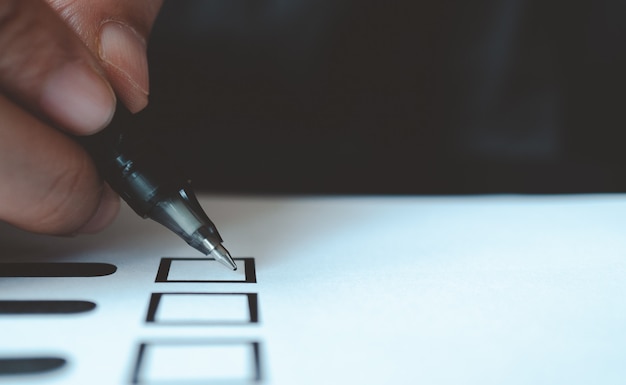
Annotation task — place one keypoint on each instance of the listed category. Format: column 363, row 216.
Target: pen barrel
column 145, row 177
column 142, row 178
column 138, row 170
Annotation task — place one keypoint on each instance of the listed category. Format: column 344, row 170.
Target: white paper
column 345, row 290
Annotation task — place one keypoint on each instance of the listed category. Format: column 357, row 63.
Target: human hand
column 62, row 64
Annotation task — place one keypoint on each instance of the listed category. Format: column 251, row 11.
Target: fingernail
column 105, row 214
column 123, row 48
column 78, row 99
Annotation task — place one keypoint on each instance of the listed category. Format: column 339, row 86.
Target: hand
column 62, row 64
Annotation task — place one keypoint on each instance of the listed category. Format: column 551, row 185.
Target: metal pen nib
column 182, row 214
column 222, row 255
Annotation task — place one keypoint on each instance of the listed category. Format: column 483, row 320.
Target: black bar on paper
column 15, row 307
column 56, row 269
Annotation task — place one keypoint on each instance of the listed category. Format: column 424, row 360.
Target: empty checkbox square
column 210, row 362
column 203, row 308
column 205, row 270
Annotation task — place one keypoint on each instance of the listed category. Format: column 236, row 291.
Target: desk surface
column 369, row 290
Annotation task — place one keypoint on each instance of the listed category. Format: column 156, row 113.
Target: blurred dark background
column 346, row 96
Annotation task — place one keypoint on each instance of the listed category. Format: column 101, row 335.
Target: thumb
column 116, row 32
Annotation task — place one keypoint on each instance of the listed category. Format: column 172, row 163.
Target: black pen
column 141, row 173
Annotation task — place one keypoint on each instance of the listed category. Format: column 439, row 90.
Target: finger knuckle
column 18, row 37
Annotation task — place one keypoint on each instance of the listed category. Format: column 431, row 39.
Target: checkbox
column 209, row 362
column 205, row 270
column 203, row 308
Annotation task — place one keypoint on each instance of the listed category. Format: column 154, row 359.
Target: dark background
column 346, row 96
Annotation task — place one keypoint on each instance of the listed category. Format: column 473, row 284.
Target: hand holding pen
column 62, row 65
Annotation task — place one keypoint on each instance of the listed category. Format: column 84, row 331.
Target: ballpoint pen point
column 223, row 256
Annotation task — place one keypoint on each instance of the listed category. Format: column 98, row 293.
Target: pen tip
column 223, row 256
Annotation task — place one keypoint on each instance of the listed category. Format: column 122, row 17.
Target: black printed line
column 253, row 307
column 155, row 299
column 256, row 370
column 56, row 269
column 257, row 362
column 30, row 365
column 164, row 270
column 251, row 299
column 14, row 307
column 250, row 270
column 166, row 263
column 138, row 362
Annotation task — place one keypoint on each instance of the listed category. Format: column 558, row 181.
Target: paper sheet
column 348, row 290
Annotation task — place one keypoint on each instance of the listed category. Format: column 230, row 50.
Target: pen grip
column 135, row 167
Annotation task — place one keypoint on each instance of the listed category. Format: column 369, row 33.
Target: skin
column 63, row 65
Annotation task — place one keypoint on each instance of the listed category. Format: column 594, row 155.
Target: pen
column 141, row 173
